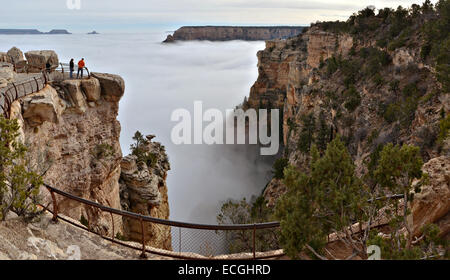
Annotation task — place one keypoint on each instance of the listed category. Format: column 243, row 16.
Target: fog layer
column 161, row 78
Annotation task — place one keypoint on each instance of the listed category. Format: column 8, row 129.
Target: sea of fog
column 160, row 78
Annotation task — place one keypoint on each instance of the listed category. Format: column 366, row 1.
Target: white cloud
column 130, row 14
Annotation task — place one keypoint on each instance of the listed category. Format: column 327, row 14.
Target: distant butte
column 32, row 32
column 227, row 33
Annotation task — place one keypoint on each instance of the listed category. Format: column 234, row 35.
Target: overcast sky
column 142, row 15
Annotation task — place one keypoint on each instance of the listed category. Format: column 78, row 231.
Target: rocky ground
column 45, row 240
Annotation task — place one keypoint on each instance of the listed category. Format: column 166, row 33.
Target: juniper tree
column 398, row 167
column 307, row 133
column 323, row 134
column 19, row 187
column 327, row 199
column 138, row 148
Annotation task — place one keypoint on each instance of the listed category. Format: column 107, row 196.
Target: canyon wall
column 226, row 33
column 318, row 73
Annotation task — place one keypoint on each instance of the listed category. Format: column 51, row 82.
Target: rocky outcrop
column 7, row 74
column 226, row 33
column 111, row 84
column 15, row 54
column 41, row 107
column 143, row 190
column 44, row 240
column 37, row 60
column 432, row 204
column 72, row 134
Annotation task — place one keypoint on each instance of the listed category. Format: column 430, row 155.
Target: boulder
column 128, row 164
column 4, row 57
column 112, row 86
column 40, row 107
column 7, row 73
column 91, row 87
column 16, row 54
column 78, row 100
column 433, row 202
column 37, row 60
column 21, row 66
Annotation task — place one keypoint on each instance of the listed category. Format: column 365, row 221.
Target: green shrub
column 444, row 127
column 102, row 151
column 332, row 65
column 84, row 221
column 398, row 43
column 278, row 167
column 378, row 79
column 353, row 99
column 392, row 112
column 19, row 184
column 307, row 133
column 394, row 85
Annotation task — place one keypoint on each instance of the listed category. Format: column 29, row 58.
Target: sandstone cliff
column 143, row 190
column 369, row 93
column 72, row 134
column 226, row 33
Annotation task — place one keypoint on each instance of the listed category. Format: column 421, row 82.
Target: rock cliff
column 143, row 190
column 348, row 83
column 72, row 135
column 226, row 33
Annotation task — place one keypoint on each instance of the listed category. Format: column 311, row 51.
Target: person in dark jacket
column 71, row 68
column 48, row 66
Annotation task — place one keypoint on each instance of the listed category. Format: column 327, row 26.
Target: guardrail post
column 179, row 238
column 254, row 241
column 37, row 85
column 15, row 88
column 112, row 221
column 55, row 207
column 143, row 254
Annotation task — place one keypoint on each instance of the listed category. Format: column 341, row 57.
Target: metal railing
column 249, row 229
column 14, row 91
column 65, row 68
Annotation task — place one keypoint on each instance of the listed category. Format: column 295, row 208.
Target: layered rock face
column 143, row 190
column 295, row 76
column 226, row 33
column 432, row 204
column 72, row 134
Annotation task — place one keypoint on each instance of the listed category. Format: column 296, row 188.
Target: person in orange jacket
column 80, row 68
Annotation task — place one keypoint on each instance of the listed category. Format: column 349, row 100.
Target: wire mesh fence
column 199, row 240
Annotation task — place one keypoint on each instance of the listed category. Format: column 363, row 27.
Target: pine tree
column 19, row 187
column 397, row 168
column 307, row 133
column 323, row 134
column 327, row 199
